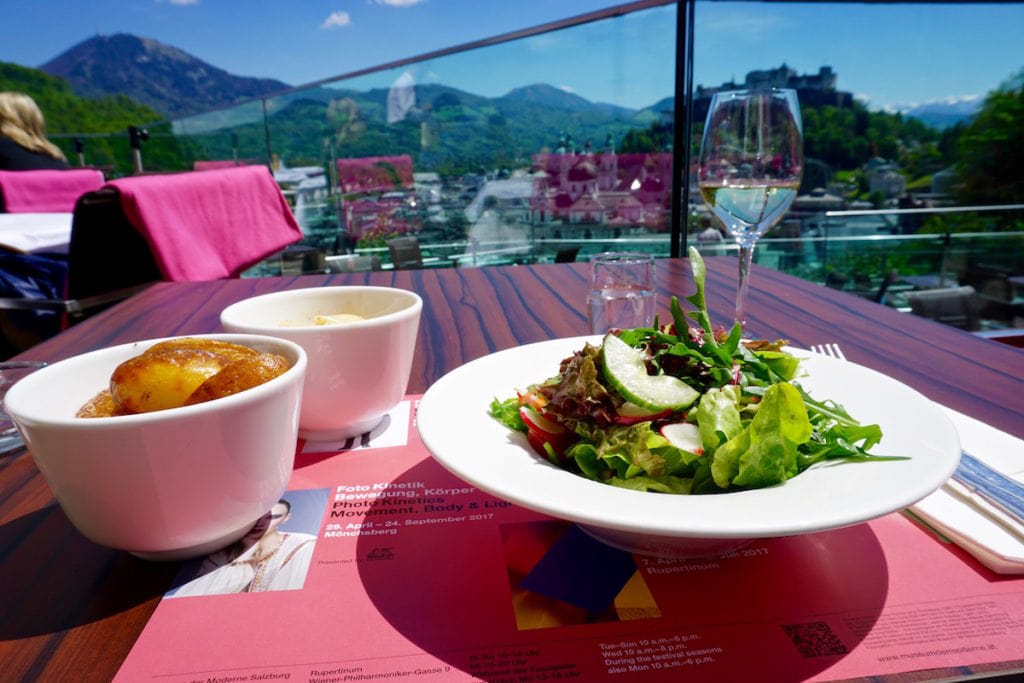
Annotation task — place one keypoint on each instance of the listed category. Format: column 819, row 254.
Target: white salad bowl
column 483, row 452
column 168, row 484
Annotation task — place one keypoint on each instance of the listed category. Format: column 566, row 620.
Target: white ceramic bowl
column 480, row 450
column 357, row 371
column 169, row 484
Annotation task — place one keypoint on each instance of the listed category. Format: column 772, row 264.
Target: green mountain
column 162, row 77
column 104, row 120
column 66, row 112
column 443, row 128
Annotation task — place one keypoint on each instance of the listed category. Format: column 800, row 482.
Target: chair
column 956, row 306
column 836, row 280
column 107, row 260
column 203, row 225
column 46, row 191
column 567, row 255
column 405, row 252
column 353, row 263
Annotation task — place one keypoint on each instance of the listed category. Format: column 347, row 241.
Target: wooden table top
column 72, row 610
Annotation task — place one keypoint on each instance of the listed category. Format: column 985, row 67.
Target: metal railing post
column 80, row 150
column 681, row 121
column 136, row 136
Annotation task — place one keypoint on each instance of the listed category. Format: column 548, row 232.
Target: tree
column 990, row 156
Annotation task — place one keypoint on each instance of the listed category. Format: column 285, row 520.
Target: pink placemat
column 416, row 575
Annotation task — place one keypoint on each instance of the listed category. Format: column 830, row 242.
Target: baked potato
column 222, row 349
column 100, row 405
column 243, row 374
column 179, row 372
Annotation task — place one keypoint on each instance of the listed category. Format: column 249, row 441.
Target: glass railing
column 556, row 143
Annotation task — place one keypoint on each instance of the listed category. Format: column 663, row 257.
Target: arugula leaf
column 783, row 365
column 698, row 299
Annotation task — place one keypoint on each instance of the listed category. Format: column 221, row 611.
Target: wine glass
column 751, row 160
column 10, row 372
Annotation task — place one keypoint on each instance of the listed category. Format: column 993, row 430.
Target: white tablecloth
column 27, row 232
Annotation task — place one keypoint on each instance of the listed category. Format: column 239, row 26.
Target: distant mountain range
column 177, row 84
column 165, row 78
column 945, row 113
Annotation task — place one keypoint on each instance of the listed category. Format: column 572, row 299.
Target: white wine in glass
column 751, row 161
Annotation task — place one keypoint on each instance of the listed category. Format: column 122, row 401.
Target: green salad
column 683, row 409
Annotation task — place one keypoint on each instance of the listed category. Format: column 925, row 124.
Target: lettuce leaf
column 718, row 418
column 627, row 452
column 665, row 484
column 578, row 393
column 507, row 413
column 765, row 452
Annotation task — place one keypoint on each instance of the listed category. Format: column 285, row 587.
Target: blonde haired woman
column 23, row 143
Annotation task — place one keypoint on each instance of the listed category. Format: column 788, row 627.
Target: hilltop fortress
column 814, row 90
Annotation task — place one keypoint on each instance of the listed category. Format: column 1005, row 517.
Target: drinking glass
column 751, row 161
column 11, row 372
column 622, row 292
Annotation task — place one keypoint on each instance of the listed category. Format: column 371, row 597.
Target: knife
column 993, row 486
column 10, row 442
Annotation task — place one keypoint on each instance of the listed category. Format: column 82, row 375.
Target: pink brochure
column 390, row 568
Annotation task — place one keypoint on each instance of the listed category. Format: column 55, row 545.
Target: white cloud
column 544, row 41
column 741, row 22
column 337, row 20
column 567, row 88
column 184, row 2
column 398, row 3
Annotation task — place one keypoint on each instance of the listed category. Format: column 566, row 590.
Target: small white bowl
column 358, row 371
column 169, row 484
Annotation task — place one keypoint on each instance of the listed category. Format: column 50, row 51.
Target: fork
column 973, row 477
column 831, row 350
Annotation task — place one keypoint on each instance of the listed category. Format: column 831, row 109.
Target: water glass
column 11, row 372
column 622, row 291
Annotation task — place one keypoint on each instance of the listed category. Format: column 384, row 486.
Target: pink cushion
column 47, row 191
column 207, row 225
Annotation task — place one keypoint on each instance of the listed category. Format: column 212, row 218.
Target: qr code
column 815, row 639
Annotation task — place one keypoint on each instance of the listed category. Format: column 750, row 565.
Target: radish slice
column 684, row 435
column 542, row 424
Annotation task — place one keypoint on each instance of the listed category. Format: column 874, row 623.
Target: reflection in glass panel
column 224, row 137
column 539, row 149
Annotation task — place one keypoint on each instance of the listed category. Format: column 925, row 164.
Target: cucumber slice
column 631, row 410
column 625, row 369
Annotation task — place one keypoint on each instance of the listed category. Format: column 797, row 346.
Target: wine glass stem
column 746, row 258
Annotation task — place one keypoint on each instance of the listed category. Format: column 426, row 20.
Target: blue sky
column 891, row 55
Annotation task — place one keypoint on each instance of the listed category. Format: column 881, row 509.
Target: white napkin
column 995, row 539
